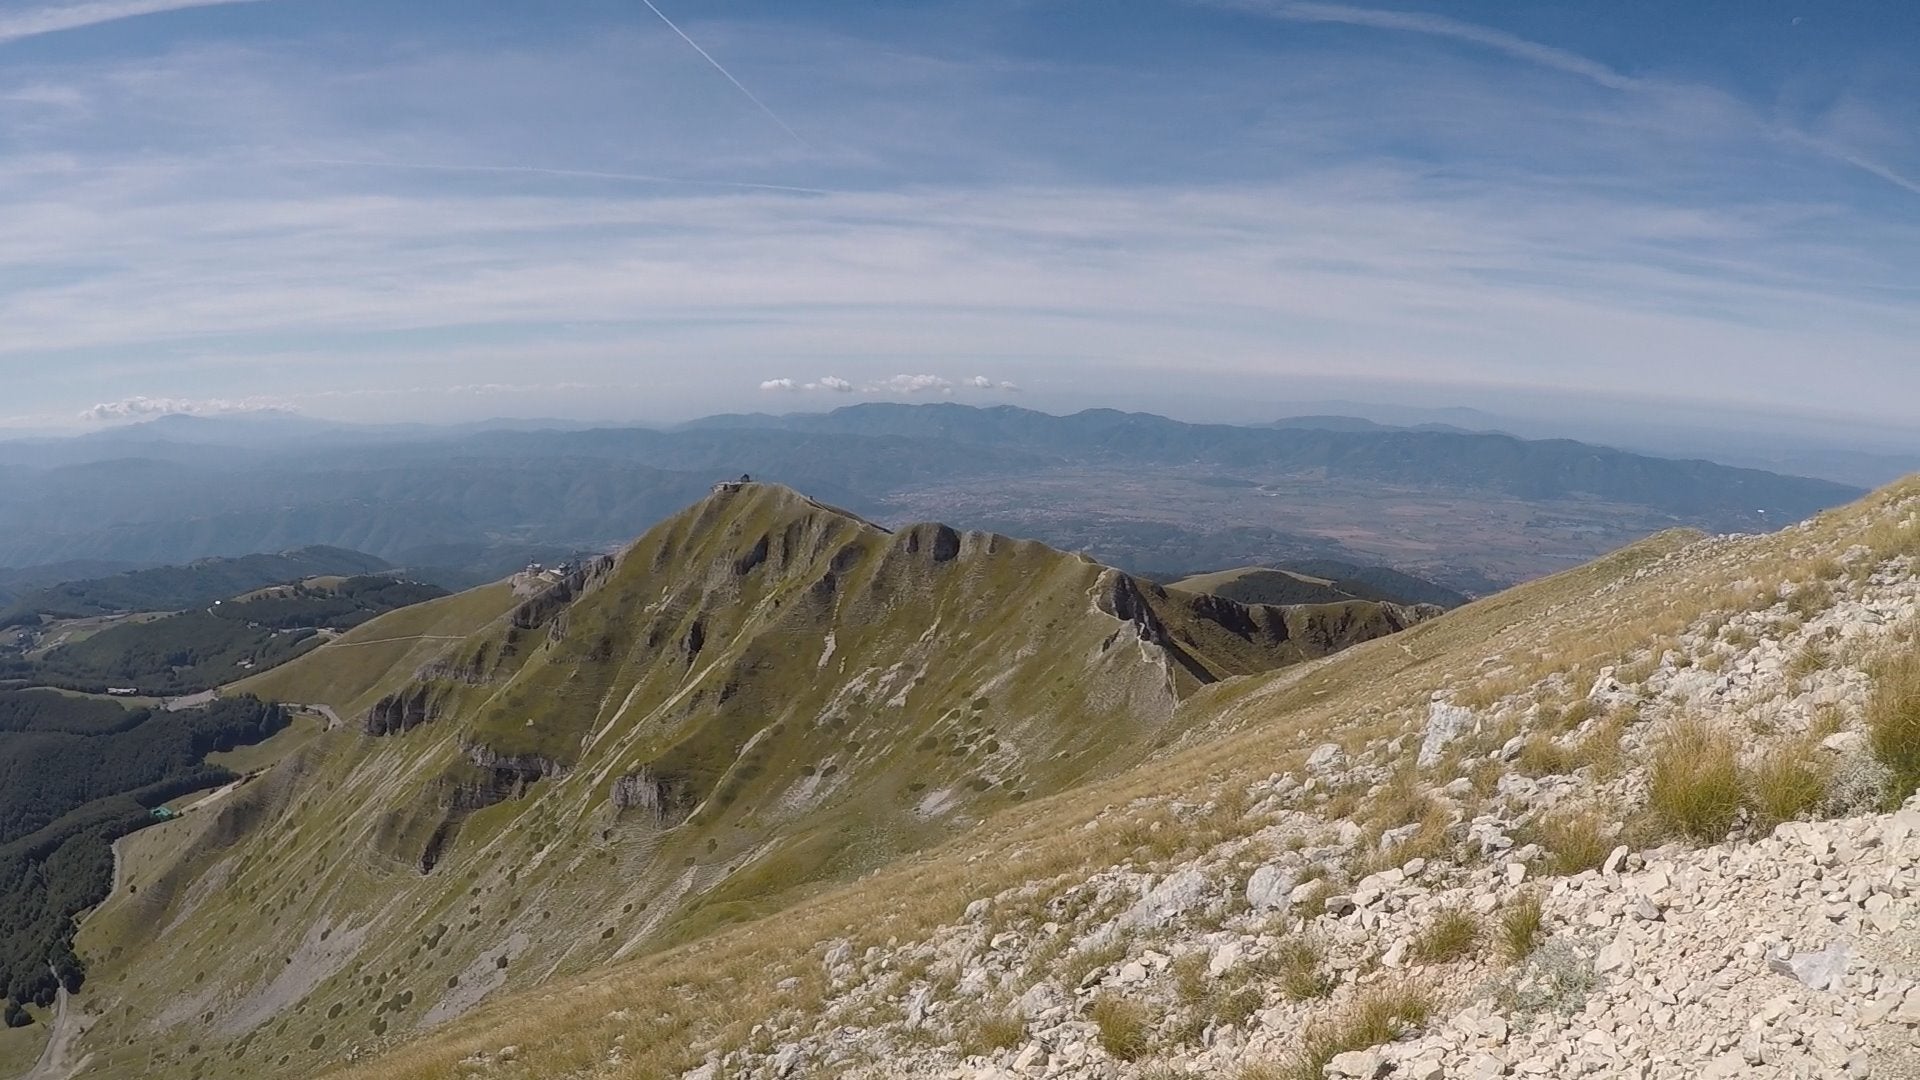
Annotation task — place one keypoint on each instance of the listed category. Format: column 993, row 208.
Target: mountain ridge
column 762, row 696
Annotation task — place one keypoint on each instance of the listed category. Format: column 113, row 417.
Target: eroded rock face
column 401, row 711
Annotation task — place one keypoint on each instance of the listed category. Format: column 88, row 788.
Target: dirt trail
column 56, row 1061
column 390, row 640
column 192, row 701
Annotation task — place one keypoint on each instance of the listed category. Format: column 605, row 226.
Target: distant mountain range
column 1142, row 491
column 1530, row 469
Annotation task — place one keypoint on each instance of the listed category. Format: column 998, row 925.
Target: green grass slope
column 762, row 697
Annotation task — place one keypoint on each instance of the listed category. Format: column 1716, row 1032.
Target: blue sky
column 451, row 210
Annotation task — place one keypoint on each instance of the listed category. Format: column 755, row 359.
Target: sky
column 617, row 210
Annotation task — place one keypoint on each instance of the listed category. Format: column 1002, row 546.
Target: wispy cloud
column 1441, row 26
column 563, row 174
column 894, row 385
column 54, row 19
column 1557, row 59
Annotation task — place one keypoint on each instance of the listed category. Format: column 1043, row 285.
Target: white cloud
column 138, row 407
column 980, row 382
column 911, row 384
column 826, row 383
column 49, row 20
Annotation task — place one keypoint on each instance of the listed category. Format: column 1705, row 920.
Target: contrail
column 771, row 115
column 574, row 174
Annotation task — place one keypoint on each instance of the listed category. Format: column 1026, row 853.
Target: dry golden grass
column 1451, row 935
column 1575, row 839
column 1893, row 721
column 1543, row 755
column 1522, row 926
column 1125, row 1026
column 1380, row 1014
column 709, row 993
column 1787, row 782
column 1694, row 787
column 997, row 1029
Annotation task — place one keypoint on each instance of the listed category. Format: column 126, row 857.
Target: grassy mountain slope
column 762, row 697
column 1521, row 664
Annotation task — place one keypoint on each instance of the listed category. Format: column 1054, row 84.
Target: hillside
column 762, row 697
column 194, row 651
column 1640, row 819
column 1321, row 581
column 197, row 584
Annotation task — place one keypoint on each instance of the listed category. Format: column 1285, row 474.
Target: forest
column 73, row 780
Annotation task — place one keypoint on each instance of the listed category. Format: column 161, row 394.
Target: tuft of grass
column 1451, row 935
column 1693, row 788
column 1600, row 749
column 991, row 1031
column 1377, row 1016
column 1893, row 723
column 1811, row 659
column 1295, row 963
column 1542, row 755
column 1787, row 781
column 1810, row 599
column 1124, row 1026
column 1083, row 962
column 1575, row 839
column 1522, row 924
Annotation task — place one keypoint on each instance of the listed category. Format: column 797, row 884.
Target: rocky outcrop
column 402, row 711
column 563, row 590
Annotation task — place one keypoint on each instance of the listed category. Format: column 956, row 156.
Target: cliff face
column 762, row 695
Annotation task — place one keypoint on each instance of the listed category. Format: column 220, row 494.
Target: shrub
column 1893, row 723
column 1521, row 926
column 1786, row 782
column 1451, row 935
column 1576, row 839
column 1694, row 786
column 1556, row 977
column 1124, row 1026
column 1379, row 1015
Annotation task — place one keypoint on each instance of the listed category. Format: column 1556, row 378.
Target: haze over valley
column 964, row 540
